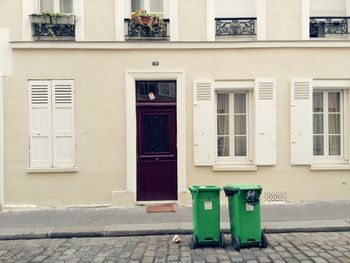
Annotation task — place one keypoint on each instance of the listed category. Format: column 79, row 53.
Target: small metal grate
column 275, row 197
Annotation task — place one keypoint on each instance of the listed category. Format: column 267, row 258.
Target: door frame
column 131, row 133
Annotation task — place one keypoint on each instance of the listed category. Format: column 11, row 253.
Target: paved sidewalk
column 107, row 222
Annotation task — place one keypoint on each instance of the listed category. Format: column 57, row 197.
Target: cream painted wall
column 192, row 20
column 283, row 19
column 99, row 20
column 100, row 119
column 11, row 16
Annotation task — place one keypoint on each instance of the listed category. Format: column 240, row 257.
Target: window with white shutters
column 51, row 123
column 318, row 121
column 234, row 122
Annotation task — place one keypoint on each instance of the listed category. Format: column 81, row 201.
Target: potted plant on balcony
column 142, row 18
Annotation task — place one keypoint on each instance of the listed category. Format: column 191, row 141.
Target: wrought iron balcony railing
column 235, row 26
column 156, row 32
column 48, row 27
column 323, row 26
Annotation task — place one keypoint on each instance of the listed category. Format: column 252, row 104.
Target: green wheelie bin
column 206, row 216
column 245, row 218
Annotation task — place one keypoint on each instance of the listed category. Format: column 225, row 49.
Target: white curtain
column 156, row 6
column 223, row 130
column 46, row 6
column 66, row 6
column 334, row 125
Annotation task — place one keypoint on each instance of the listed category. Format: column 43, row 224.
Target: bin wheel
column 194, row 242
column 236, row 243
column 264, row 242
column 222, row 240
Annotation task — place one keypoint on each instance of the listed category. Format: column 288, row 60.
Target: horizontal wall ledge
column 329, row 167
column 53, row 170
column 227, row 168
column 151, row 45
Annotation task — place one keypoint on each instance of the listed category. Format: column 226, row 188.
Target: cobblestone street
column 297, row 247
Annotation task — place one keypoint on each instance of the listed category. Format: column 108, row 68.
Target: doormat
column 161, row 208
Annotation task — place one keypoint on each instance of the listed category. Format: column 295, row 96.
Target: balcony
column 329, row 27
column 136, row 31
column 53, row 27
column 235, row 27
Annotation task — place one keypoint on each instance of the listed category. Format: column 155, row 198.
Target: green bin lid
column 196, row 188
column 243, row 187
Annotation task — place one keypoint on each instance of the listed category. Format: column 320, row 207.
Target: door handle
column 157, row 159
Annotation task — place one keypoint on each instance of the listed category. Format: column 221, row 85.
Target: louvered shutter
column 204, row 122
column 301, row 121
column 265, row 121
column 40, row 138
column 63, row 123
column 328, row 7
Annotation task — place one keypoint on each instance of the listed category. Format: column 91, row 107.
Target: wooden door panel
column 156, row 153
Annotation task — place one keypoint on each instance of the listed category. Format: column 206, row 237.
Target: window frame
column 326, row 158
column 146, row 5
column 56, row 6
column 232, row 159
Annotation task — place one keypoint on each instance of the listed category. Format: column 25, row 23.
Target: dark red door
column 156, row 151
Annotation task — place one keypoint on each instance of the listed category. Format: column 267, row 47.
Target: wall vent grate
column 275, row 197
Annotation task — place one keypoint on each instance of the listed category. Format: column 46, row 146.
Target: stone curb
column 163, row 229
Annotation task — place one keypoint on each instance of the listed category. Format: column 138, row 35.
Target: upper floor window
column 56, row 6
column 54, row 21
column 329, row 19
column 147, row 19
column 151, row 6
column 235, row 18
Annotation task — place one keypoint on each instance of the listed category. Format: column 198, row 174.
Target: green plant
column 141, row 17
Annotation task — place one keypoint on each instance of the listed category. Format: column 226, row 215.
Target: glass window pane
column 66, row 6
column 318, row 123
column 241, row 146
column 135, row 5
column 47, row 6
column 240, row 125
column 166, row 90
column 334, row 102
column 318, row 145
column 223, row 146
column 222, row 103
column 334, row 145
column 156, row 6
column 334, row 123
column 240, row 103
column 317, row 102
column 223, row 125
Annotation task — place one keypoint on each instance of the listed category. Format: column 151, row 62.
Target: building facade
column 99, row 107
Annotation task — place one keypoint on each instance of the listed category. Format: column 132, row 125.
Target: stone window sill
column 329, row 167
column 224, row 168
column 53, row 170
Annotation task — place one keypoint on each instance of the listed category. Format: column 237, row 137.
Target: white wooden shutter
column 328, row 8
column 265, row 121
column 204, row 122
column 301, row 121
column 63, row 123
column 40, row 138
